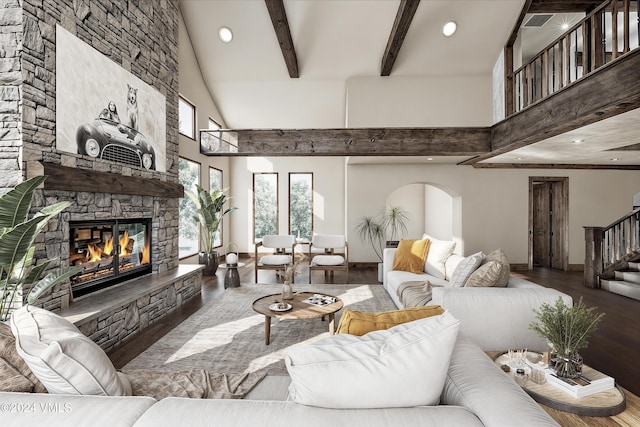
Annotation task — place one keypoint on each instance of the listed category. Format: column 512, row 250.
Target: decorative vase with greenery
column 374, row 230
column 17, row 236
column 567, row 330
column 209, row 212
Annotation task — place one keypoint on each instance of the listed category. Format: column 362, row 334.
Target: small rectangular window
column 265, row 204
column 215, row 183
column 186, row 118
column 189, row 236
column 301, row 205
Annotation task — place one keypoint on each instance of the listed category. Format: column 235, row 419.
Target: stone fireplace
column 109, row 252
column 107, row 197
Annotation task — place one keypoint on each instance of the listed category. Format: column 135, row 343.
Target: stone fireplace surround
column 141, row 37
column 112, row 315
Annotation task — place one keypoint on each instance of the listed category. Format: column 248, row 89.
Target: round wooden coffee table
column 603, row 404
column 299, row 310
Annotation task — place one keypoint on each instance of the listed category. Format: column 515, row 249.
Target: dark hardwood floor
column 614, row 348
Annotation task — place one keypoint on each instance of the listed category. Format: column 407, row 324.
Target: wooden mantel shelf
column 73, row 179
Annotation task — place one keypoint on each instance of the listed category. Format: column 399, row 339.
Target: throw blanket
column 197, row 383
column 415, row 294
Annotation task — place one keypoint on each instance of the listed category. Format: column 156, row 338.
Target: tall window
column 215, row 183
column 301, row 205
column 265, row 204
column 186, row 118
column 188, row 238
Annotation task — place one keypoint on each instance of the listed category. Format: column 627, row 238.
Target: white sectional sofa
column 494, row 318
column 476, row 393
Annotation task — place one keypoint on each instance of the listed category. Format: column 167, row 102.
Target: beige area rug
column 227, row 337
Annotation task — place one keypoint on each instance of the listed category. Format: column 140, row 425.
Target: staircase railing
column 601, row 37
column 610, row 247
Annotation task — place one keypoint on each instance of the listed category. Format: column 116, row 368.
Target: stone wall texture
column 10, row 94
column 139, row 35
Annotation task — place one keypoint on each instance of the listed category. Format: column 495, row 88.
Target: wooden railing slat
column 551, row 70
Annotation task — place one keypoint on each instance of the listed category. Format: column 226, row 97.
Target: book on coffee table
column 320, row 300
column 587, row 383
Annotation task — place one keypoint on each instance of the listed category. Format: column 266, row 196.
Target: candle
column 232, row 258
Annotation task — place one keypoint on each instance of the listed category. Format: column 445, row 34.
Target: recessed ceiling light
column 577, row 141
column 615, row 159
column 565, row 26
column 518, row 158
column 449, row 28
column 225, row 34
column 429, row 158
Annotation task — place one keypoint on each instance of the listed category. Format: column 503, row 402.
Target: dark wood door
column 557, row 230
column 541, row 224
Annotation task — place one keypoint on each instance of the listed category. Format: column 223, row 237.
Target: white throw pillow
column 275, row 260
column 62, row 357
column 439, row 251
column 399, row 367
column 465, row 268
column 328, row 260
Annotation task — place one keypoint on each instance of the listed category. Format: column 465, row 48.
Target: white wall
column 438, row 101
column 193, row 88
column 438, row 213
column 411, row 199
column 494, row 203
column 328, row 187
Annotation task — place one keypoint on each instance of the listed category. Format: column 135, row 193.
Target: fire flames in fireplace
column 107, row 251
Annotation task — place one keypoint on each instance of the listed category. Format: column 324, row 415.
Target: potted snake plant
column 209, row 212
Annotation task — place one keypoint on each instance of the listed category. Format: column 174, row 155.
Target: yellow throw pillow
column 411, row 255
column 359, row 323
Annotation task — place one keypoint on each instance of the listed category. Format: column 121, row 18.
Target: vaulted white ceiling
column 340, row 41
column 335, row 41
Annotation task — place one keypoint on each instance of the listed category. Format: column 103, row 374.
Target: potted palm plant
column 567, row 330
column 209, row 212
column 394, row 221
column 17, row 236
column 374, row 230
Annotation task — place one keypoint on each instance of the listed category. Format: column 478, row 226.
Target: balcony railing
column 602, row 36
column 609, row 248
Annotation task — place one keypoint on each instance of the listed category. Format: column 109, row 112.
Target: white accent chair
column 283, row 250
column 334, row 256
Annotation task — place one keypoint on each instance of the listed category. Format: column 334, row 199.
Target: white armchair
column 335, row 255
column 279, row 259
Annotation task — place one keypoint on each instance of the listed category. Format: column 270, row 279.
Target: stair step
column 634, row 266
column 628, row 276
column 620, row 287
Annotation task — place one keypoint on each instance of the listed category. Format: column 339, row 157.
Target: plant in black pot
column 209, row 212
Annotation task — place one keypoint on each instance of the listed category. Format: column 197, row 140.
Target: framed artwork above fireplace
column 105, row 112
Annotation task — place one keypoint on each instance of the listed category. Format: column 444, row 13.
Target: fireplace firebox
column 109, row 252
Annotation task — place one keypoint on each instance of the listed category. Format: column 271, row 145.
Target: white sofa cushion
column 465, row 268
column 328, row 260
column 439, row 251
column 275, row 260
column 399, row 367
column 62, row 357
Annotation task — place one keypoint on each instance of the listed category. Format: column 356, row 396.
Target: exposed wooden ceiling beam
column 552, row 166
column 563, row 6
column 406, row 11
column 363, row 142
column 610, row 90
column 281, row 26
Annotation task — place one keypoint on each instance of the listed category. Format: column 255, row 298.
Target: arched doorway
column 432, row 209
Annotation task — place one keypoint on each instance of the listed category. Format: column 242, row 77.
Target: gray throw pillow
column 465, row 268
